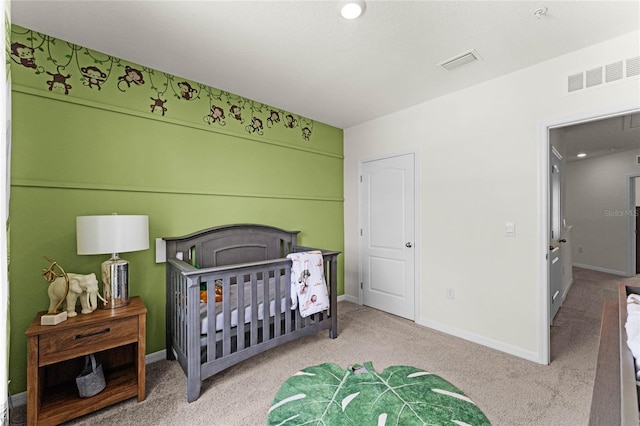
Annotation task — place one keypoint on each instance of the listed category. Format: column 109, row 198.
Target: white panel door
column 555, row 233
column 387, row 194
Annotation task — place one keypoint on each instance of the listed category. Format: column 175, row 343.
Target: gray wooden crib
column 248, row 264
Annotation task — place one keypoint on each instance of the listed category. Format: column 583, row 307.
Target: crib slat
column 254, row 309
column 287, row 300
column 240, row 287
column 211, row 323
column 226, row 316
column 277, row 302
column 265, row 305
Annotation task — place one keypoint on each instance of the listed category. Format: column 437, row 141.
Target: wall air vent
column 594, row 77
column 576, row 82
column 633, row 66
column 614, row 71
column 599, row 76
column 460, row 60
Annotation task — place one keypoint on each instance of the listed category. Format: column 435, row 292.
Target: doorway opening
column 593, row 136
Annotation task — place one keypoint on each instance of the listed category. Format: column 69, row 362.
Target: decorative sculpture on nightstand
column 68, row 287
column 52, row 317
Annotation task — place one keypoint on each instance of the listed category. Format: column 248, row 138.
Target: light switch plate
column 510, row 229
column 161, row 250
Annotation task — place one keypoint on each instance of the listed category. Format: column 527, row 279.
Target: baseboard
column 481, row 340
column 566, row 291
column 21, row 398
column 155, row 357
column 348, row 298
column 599, row 269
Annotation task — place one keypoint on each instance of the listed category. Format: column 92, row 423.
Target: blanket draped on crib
column 632, row 327
column 307, row 278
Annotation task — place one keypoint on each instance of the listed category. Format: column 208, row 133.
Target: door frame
column 416, row 227
column 631, row 223
column 544, row 333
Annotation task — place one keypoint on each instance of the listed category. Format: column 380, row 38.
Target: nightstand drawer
column 83, row 340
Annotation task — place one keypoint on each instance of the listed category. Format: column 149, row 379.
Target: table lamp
column 114, row 234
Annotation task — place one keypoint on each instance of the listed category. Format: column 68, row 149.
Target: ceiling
column 301, row 56
column 601, row 137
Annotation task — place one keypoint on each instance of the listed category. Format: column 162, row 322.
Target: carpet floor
column 509, row 390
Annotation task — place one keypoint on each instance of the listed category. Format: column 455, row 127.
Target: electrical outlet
column 450, row 293
column 580, row 249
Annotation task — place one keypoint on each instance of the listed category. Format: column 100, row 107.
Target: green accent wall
column 93, row 151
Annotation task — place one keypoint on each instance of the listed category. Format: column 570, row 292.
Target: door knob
column 562, row 240
column 408, row 245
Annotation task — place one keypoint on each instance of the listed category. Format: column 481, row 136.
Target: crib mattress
column 204, row 322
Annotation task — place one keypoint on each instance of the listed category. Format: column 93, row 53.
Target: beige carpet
column 509, row 390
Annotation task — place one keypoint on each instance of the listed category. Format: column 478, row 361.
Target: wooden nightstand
column 56, row 357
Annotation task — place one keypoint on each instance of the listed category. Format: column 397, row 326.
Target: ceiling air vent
column 460, row 60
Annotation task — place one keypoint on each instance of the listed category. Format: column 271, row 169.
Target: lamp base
column 115, row 278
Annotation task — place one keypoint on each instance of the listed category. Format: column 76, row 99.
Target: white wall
column 596, row 196
column 479, row 159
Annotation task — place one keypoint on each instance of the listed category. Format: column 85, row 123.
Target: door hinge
column 360, row 178
column 361, row 286
column 361, row 232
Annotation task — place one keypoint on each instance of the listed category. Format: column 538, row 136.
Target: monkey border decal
column 68, row 67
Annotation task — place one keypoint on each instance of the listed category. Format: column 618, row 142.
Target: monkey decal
column 186, row 91
column 236, row 112
column 290, row 121
column 306, row 133
column 94, row 77
column 59, row 83
column 24, row 54
column 274, row 117
column 158, row 103
column 304, row 280
column 255, row 126
column 131, row 75
column 216, row 116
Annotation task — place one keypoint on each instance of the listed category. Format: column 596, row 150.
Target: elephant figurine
column 84, row 287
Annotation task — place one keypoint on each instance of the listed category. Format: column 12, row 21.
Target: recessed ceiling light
column 352, row 9
column 582, row 154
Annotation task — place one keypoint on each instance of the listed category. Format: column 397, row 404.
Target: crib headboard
column 232, row 244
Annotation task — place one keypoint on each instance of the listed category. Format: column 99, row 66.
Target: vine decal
column 72, row 70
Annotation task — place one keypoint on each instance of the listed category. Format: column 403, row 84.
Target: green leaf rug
column 328, row 395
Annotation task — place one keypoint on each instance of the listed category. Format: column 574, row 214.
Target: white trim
column 349, row 298
column 155, row 357
column 543, row 215
column 631, row 224
column 564, row 295
column 543, row 335
column 599, row 269
column 479, row 339
column 20, row 399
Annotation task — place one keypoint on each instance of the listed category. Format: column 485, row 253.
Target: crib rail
column 259, row 327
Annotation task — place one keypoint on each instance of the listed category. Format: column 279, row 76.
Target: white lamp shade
column 112, row 233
